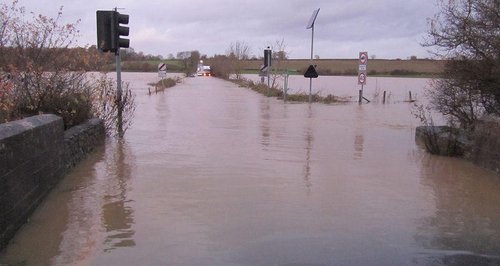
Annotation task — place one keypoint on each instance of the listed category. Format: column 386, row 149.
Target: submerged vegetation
column 275, row 92
column 164, row 83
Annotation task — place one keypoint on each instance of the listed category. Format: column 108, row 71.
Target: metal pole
column 312, row 46
column 119, row 93
column 285, row 86
column 361, row 95
column 268, row 82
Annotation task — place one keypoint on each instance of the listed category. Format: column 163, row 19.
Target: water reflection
column 64, row 226
column 464, row 227
column 309, row 144
column 265, row 115
column 358, row 147
column 359, row 139
column 117, row 215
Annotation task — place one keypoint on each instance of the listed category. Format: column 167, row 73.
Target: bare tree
column 190, row 60
column 237, row 53
column 193, row 60
column 467, row 34
column 279, row 56
column 221, row 66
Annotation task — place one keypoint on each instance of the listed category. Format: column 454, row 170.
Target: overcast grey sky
column 385, row 28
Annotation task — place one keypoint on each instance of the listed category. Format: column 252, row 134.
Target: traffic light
column 267, row 57
column 120, row 31
column 109, row 31
column 104, row 36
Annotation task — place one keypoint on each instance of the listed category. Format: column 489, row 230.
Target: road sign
column 263, row 71
column 268, row 53
column 363, row 58
column 311, row 72
column 162, row 67
column 162, row 70
column 361, row 78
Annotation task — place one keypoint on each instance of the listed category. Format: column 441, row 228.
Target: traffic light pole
column 109, row 33
column 119, row 122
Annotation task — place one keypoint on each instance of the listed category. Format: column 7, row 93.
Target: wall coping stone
column 13, row 128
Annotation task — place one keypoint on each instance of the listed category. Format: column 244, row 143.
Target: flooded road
column 213, row 174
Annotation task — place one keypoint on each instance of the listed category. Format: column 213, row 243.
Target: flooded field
column 397, row 88
column 214, row 174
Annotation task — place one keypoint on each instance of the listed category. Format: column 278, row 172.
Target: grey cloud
column 163, row 27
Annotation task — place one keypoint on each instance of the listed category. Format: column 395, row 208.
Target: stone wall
column 81, row 140
column 485, row 148
column 35, row 153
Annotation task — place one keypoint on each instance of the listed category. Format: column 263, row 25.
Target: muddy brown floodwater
column 213, row 174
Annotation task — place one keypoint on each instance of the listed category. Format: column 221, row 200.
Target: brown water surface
column 213, row 174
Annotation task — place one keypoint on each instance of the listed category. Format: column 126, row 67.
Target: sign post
column 262, row 73
column 285, row 85
column 362, row 75
column 310, row 25
column 267, row 65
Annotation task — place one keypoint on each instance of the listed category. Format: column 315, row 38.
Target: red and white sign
column 362, row 79
column 362, row 69
column 363, row 58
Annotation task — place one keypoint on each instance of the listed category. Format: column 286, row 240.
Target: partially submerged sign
column 162, row 70
column 311, row 72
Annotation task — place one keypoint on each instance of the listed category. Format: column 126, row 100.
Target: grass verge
column 274, row 92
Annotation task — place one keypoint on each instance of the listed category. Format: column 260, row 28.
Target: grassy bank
column 274, row 92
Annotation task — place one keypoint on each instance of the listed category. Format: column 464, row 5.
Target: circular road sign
column 362, row 78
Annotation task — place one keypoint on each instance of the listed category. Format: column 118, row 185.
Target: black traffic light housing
column 109, row 31
column 104, row 35
column 120, row 31
column 267, row 57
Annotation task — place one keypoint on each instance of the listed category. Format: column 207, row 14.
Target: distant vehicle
column 204, row 71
